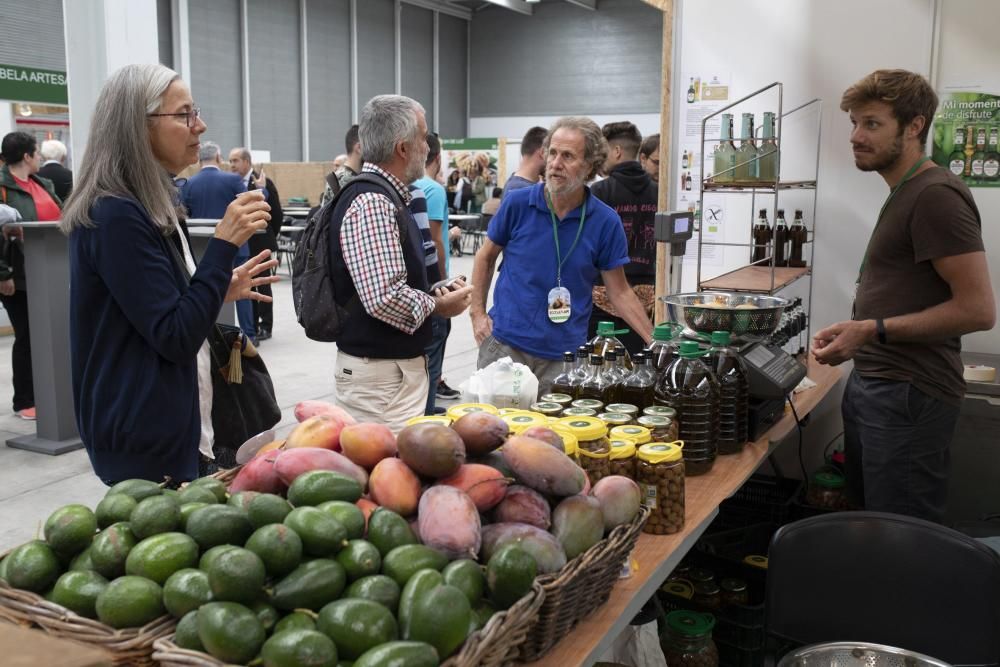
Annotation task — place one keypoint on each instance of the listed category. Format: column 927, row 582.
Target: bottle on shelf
column 747, row 166
column 780, row 239
column 970, row 149
column 689, row 387
column 565, row 382
column 798, row 236
column 979, row 157
column 734, row 394
column 607, row 338
column 637, row 389
column 956, row 161
column 724, row 157
column 767, row 152
column 761, row 238
column 596, row 385
column 662, row 350
column 991, row 165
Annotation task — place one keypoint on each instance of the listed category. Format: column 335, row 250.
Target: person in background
column 379, row 272
column 478, row 182
column 207, row 194
column 54, row 167
column 491, row 205
column 532, row 166
column 339, row 162
column 140, row 364
column 349, row 166
column 451, row 183
column 34, row 199
column 556, row 238
column 632, row 193
column 239, row 163
column 437, row 215
column 923, row 284
column 649, row 156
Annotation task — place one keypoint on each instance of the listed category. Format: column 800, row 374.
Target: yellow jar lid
column 430, row 419
column 585, row 428
column 637, row 434
column 660, row 452
column 570, row 443
column 626, row 408
column 583, row 451
column 572, row 413
column 510, row 411
column 456, row 412
column 756, row 561
column 519, row 421
column 622, row 449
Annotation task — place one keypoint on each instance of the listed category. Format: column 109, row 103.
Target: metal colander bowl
column 856, row 654
column 742, row 315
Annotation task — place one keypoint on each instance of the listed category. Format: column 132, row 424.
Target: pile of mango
column 343, row 544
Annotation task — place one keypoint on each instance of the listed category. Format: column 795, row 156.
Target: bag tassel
column 236, row 361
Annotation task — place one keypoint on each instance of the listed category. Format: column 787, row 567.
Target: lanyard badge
column 559, row 302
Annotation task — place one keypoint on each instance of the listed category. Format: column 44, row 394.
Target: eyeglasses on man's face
column 189, row 116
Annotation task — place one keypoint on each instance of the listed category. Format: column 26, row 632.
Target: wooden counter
column 657, row 555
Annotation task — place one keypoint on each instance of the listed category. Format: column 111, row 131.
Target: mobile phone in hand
column 448, row 284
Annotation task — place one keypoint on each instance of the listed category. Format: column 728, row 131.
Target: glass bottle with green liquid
column 724, row 157
column 767, row 152
column 747, row 165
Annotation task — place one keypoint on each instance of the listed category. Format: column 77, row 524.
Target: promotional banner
column 28, row 84
column 469, row 167
column 966, row 129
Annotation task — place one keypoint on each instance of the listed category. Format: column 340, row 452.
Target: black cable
column 826, row 449
column 798, row 425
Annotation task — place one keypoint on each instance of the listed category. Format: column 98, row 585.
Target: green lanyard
column 907, row 176
column 555, row 235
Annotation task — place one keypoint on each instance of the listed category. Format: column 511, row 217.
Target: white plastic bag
column 503, row 383
column 636, row 646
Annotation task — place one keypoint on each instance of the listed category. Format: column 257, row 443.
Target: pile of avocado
column 255, row 577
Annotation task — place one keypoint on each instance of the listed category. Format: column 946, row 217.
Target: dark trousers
column 897, row 443
column 244, row 307
column 16, row 306
column 440, row 328
column 632, row 341
column 263, row 313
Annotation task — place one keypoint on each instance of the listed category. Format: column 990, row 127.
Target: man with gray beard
column 378, row 271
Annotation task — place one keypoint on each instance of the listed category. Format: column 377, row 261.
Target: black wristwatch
column 880, row 330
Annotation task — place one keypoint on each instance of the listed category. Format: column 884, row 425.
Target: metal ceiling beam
column 586, row 4
column 519, row 6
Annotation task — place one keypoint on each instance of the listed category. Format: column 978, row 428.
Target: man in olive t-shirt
column 923, row 283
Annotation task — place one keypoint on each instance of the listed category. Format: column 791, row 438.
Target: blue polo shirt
column 523, row 227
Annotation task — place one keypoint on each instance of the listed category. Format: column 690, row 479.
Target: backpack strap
column 387, row 188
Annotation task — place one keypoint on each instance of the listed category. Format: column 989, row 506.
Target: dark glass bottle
column 637, row 388
column 582, row 366
column 689, row 387
column 564, row 382
column 663, row 349
column 734, row 394
column 761, row 238
column 798, row 236
column 780, row 239
column 596, row 385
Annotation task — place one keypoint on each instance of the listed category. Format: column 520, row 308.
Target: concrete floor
column 34, row 485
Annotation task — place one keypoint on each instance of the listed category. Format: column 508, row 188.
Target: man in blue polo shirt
column 556, row 238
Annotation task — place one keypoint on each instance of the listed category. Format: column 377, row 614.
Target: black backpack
column 313, row 294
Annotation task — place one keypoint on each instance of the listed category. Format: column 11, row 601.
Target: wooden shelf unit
column 755, row 278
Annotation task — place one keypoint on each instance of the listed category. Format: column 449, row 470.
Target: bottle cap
column 690, row 348
column 663, row 332
column 611, row 355
column 720, row 338
column 596, row 360
column 569, row 356
column 781, row 212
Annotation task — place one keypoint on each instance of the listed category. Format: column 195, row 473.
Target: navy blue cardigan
column 136, row 327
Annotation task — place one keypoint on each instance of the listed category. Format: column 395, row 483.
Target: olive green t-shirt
column 932, row 215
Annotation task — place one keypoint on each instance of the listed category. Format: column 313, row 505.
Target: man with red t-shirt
column 34, row 199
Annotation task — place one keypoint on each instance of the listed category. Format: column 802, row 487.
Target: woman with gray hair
column 140, row 362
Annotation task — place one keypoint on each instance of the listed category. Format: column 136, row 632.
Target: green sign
column 474, row 144
column 966, row 137
column 26, row 84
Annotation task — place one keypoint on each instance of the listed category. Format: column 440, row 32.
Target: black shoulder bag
column 243, row 400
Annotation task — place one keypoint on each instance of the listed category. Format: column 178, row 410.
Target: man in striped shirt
column 379, row 269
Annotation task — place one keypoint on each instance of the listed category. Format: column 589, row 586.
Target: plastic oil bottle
column 734, row 396
column 662, row 350
column 607, row 339
column 689, row 387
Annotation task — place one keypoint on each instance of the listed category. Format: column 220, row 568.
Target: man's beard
column 415, row 169
column 565, row 187
column 886, row 159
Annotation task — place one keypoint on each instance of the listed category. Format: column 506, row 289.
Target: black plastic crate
column 735, row 544
column 762, row 499
column 734, row 656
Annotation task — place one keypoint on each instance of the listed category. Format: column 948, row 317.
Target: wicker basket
column 131, row 647
column 582, row 585
column 495, row 645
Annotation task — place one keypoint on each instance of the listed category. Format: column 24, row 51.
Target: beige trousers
column 383, row 391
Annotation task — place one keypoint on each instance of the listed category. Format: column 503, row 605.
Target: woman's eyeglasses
column 188, row 116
